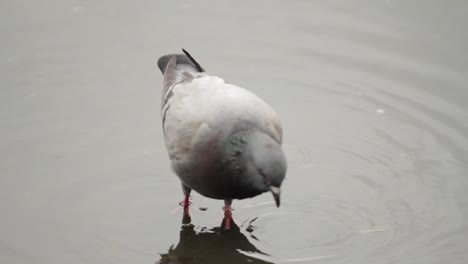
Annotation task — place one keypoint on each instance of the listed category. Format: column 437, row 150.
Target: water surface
column 373, row 97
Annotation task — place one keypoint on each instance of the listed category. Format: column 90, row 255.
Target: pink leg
column 186, row 204
column 227, row 214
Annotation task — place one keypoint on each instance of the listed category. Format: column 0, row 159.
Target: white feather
column 206, row 106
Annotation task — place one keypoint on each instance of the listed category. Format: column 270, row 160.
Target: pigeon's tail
column 182, row 62
column 177, row 68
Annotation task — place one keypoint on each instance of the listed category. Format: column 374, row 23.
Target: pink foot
column 227, row 220
column 227, row 215
column 186, row 204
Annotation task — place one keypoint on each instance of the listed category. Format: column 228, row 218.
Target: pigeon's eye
column 260, row 171
column 265, row 178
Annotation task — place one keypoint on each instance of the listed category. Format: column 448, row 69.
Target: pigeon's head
column 267, row 163
column 262, row 161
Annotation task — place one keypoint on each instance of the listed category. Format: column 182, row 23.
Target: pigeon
column 223, row 141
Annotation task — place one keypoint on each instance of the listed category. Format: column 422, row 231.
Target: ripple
column 318, row 229
column 299, row 156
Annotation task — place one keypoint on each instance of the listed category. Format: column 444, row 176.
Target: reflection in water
column 211, row 246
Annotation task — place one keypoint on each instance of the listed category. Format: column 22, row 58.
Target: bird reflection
column 214, row 245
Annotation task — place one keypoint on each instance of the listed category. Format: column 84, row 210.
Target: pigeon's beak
column 276, row 191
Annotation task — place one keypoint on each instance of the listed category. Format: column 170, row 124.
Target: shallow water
column 373, row 97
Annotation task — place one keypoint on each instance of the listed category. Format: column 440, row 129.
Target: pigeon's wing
column 176, row 68
column 206, row 109
column 184, row 118
column 197, row 107
column 252, row 112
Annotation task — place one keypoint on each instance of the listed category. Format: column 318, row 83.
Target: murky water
column 373, row 96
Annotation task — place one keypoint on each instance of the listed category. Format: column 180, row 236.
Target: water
column 373, row 97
